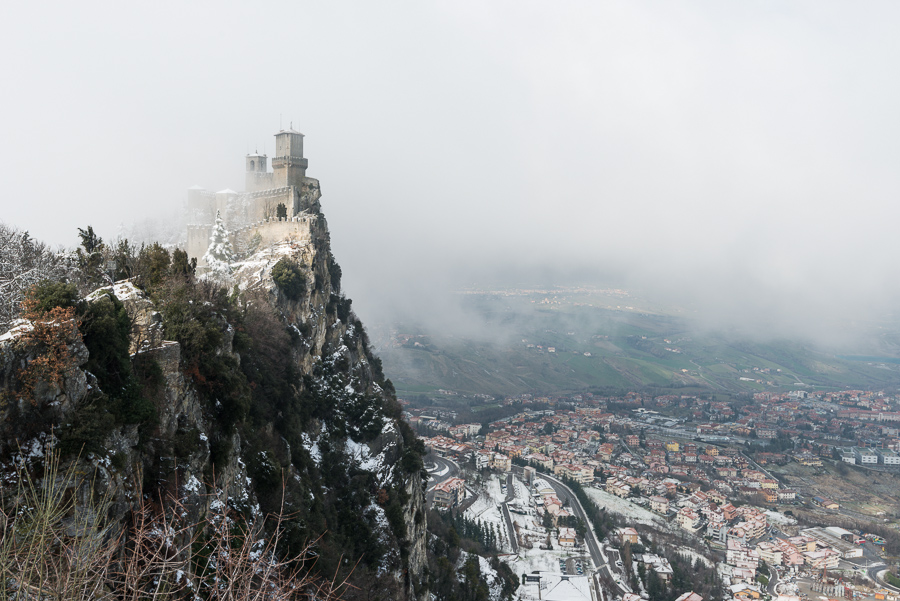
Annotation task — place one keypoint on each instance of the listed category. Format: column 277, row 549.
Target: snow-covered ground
column 492, row 485
column 522, row 491
column 530, row 528
column 694, row 556
column 779, row 518
column 486, row 509
column 530, row 560
column 489, row 495
column 630, row 511
column 489, row 574
column 483, row 504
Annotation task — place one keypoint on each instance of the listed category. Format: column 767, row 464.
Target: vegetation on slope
column 240, row 355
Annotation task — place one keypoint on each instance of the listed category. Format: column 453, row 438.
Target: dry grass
column 55, row 547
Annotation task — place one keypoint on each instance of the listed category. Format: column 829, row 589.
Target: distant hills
column 546, row 341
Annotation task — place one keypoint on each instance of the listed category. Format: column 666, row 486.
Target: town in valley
column 765, row 495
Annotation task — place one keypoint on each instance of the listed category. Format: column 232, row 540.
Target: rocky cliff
column 260, row 392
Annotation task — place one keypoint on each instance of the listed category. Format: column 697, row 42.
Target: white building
column 865, row 456
column 888, row 457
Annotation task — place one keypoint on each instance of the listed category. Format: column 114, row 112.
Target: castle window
column 252, row 165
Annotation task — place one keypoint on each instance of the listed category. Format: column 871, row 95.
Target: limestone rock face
column 147, row 327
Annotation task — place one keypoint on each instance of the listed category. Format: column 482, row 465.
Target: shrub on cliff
column 106, row 330
column 54, row 335
column 56, row 545
column 59, row 320
column 289, row 278
column 197, row 315
column 334, row 271
column 43, row 297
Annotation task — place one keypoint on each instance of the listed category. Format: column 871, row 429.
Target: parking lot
column 574, row 566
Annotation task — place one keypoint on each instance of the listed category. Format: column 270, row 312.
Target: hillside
column 575, row 340
column 258, row 393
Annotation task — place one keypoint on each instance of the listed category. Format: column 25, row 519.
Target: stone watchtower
column 289, row 166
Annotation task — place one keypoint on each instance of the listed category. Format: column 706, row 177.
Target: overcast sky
column 740, row 156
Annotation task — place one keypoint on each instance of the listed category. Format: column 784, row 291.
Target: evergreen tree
column 219, row 255
column 89, row 254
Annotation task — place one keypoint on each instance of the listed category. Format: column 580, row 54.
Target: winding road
column 601, row 563
column 510, row 495
column 443, row 469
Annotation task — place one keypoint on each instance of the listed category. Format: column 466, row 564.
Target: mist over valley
column 450, row 301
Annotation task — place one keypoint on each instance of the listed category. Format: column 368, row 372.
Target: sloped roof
column 568, row 590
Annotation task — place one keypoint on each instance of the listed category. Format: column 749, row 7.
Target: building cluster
column 664, row 453
column 663, row 462
column 870, row 457
column 449, row 493
column 546, row 502
column 861, row 425
column 870, row 419
column 592, row 446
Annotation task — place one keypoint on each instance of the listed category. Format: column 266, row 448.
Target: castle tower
column 257, row 163
column 289, row 164
column 257, row 175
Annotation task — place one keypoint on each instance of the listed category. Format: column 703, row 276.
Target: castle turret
column 257, row 176
column 257, row 163
column 289, row 164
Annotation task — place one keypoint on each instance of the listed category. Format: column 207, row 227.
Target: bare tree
column 24, row 262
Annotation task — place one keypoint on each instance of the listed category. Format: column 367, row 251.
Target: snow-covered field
column 486, row 509
column 493, row 487
column 481, row 505
column 630, row 511
column 530, row 528
column 489, row 497
column 522, row 491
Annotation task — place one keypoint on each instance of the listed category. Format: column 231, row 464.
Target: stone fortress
column 276, row 205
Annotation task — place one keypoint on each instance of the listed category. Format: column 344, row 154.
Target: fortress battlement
column 269, row 192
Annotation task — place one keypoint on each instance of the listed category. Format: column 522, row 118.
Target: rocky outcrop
column 188, row 453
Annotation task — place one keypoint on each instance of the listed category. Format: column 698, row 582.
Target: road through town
column 601, row 563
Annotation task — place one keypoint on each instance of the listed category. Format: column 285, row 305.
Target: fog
column 738, row 159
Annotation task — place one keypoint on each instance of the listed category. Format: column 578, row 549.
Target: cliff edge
column 260, row 392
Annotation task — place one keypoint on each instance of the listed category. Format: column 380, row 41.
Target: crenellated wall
column 296, row 229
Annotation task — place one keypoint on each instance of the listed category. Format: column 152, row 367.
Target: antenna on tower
column 280, row 122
